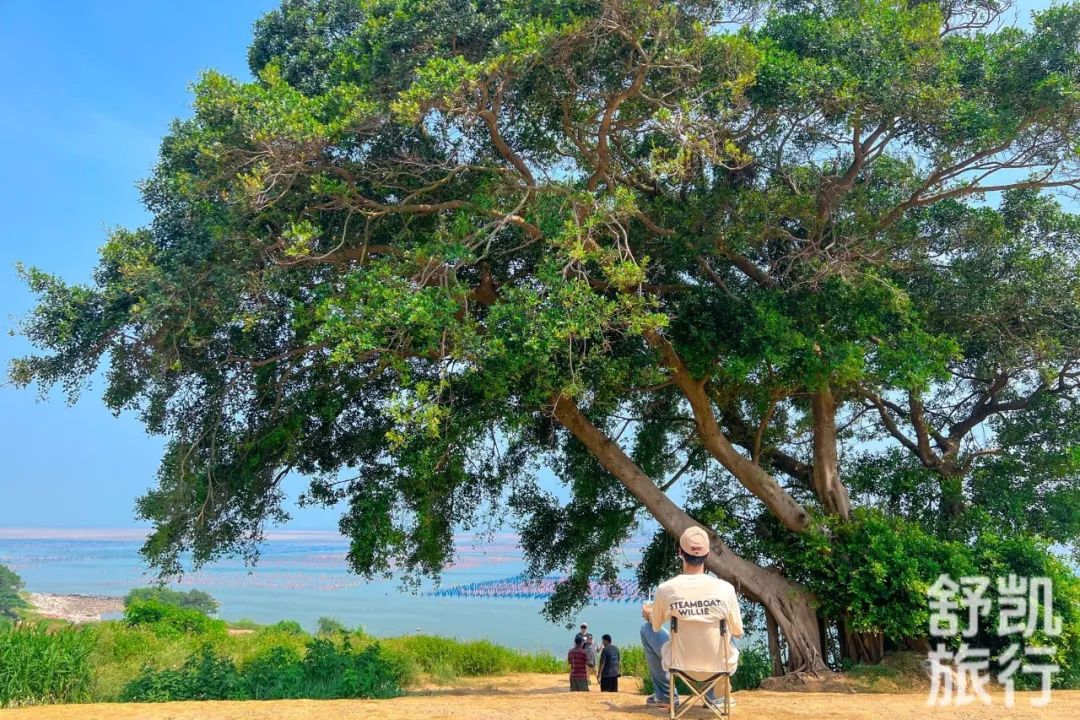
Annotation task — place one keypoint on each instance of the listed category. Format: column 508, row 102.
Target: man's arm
column 735, row 626
column 659, row 614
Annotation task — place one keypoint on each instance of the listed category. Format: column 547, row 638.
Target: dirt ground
column 545, row 697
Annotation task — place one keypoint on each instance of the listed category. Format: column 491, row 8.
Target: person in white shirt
column 688, row 595
column 582, row 632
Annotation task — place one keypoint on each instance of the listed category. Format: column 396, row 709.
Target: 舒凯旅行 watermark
column 969, row 656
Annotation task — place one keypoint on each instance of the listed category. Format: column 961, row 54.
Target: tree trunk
column 793, row 609
column 790, row 604
column 920, row 645
column 826, row 473
column 774, row 644
column 952, row 501
column 861, row 647
column 823, row 636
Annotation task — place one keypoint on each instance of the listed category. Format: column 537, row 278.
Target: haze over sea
column 303, row 575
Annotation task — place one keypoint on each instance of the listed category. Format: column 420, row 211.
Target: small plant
column 755, row 665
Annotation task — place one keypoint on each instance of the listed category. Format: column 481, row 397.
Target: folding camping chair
column 687, row 639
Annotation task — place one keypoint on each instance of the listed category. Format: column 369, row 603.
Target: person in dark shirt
column 608, row 672
column 579, row 669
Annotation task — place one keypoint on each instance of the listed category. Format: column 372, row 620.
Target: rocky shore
column 75, row 608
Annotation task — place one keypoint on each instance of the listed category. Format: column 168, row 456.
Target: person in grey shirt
column 609, row 670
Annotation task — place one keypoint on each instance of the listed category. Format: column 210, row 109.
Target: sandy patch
column 75, row 608
column 545, row 697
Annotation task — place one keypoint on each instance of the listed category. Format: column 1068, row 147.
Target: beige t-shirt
column 693, row 598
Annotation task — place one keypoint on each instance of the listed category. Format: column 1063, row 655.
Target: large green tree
column 795, row 263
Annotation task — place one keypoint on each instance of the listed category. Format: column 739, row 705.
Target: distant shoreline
column 140, row 534
column 75, row 608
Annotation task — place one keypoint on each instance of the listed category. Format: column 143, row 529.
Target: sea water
column 306, row 578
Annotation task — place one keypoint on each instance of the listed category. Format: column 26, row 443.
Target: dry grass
column 544, row 697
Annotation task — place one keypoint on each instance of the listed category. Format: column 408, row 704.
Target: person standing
column 579, row 669
column 582, row 632
column 609, row 667
column 590, row 653
column 690, row 593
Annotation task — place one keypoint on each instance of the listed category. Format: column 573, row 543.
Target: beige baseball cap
column 695, row 541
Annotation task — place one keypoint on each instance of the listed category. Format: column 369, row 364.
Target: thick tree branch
column 791, row 605
column 490, row 118
column 753, row 478
column 746, row 265
column 830, row 490
column 674, row 520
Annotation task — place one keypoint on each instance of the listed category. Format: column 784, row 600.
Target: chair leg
column 671, row 695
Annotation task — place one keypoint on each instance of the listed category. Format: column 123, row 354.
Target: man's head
column 579, row 641
column 584, row 628
column 693, row 547
column 606, row 639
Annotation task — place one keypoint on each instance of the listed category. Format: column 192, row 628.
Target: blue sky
column 90, row 88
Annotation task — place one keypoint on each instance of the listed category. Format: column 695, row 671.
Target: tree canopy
column 802, row 263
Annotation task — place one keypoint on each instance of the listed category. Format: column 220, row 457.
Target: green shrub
column 632, row 661
column 191, row 600
column 275, row 675
column 286, row 627
column 205, row 676
column 327, row 670
column 996, row 557
column 122, row 651
column 755, row 665
column 445, row 657
column 10, row 599
column 875, row 570
column 171, row 619
column 374, row 674
column 329, row 626
column 38, row 666
column 157, row 657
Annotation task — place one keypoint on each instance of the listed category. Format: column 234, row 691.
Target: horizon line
column 132, row 534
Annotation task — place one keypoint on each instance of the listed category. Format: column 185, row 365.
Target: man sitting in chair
column 697, row 604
